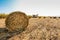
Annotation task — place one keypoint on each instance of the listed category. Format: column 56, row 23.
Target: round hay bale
column 16, row 21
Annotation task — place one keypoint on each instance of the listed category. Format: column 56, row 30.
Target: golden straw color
column 16, row 21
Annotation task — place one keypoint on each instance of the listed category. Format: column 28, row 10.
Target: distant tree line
column 3, row 15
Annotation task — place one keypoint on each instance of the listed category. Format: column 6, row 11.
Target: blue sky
column 5, row 5
column 30, row 7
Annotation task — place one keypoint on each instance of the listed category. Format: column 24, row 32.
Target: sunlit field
column 40, row 28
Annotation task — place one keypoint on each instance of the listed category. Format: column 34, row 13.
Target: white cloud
column 41, row 7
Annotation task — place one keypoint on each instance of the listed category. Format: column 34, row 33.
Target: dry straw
column 16, row 21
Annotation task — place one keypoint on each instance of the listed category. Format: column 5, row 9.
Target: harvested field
column 2, row 23
column 39, row 29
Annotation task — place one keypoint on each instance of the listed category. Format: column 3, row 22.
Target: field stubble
column 39, row 29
